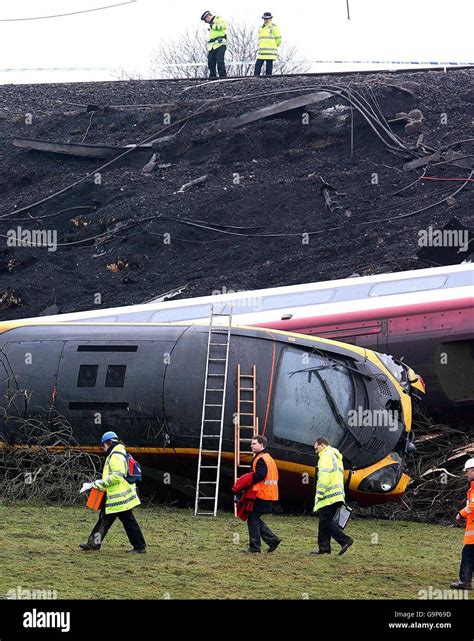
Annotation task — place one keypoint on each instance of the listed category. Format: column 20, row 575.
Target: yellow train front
column 146, row 381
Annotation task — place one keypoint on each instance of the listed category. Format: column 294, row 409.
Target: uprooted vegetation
column 45, row 463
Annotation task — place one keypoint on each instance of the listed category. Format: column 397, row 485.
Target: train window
column 455, row 364
column 303, row 410
column 87, row 375
column 115, row 376
column 107, row 348
column 407, row 285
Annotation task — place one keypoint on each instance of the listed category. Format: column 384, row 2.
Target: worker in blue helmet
column 121, row 497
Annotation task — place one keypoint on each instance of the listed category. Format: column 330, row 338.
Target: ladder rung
column 207, row 498
column 245, row 400
column 213, row 404
column 239, row 465
column 209, row 467
column 212, row 420
column 225, row 344
column 245, row 413
column 217, row 359
column 211, row 452
column 207, row 482
column 211, row 435
column 246, row 440
column 246, row 376
column 215, row 389
column 222, row 375
column 205, row 513
column 246, row 389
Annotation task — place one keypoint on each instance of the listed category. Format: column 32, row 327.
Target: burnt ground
column 278, row 161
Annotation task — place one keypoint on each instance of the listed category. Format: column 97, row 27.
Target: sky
column 119, row 41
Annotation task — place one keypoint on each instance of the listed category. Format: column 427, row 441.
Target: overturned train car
column 146, row 382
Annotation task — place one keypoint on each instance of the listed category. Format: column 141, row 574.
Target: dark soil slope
column 125, row 239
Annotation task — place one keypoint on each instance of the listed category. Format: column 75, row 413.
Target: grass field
column 199, row 558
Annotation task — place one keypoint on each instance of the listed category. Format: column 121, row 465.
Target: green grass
column 198, row 558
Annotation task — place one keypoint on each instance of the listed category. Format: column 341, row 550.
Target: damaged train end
column 146, row 380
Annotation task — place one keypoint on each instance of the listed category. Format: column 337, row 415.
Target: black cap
column 205, row 14
column 267, row 15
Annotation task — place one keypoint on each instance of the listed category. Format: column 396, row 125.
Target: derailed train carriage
column 146, row 382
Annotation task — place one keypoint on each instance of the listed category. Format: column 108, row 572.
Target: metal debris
column 266, row 112
column 331, row 201
column 191, row 183
column 151, row 164
column 85, row 151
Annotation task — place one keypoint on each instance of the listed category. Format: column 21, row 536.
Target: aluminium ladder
column 246, row 422
column 212, row 419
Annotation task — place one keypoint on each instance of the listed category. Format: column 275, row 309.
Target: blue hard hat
column 109, row 436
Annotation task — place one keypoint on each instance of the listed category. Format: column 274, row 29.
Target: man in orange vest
column 467, row 559
column 265, row 486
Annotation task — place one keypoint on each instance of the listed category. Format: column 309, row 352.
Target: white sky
column 124, row 37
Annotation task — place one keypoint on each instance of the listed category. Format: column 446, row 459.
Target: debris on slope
column 317, row 191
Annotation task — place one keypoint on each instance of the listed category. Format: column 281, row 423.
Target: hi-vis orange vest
column 468, row 514
column 268, row 488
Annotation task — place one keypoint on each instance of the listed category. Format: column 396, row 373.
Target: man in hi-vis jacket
column 467, row 559
column 121, row 497
column 329, row 497
column 264, row 487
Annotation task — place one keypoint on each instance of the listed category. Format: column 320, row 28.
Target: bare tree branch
column 172, row 58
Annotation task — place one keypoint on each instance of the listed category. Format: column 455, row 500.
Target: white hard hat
column 468, row 464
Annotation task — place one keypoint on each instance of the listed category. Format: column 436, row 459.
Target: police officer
column 121, row 498
column 329, row 497
column 265, row 487
column 467, row 559
column 217, row 44
column 269, row 39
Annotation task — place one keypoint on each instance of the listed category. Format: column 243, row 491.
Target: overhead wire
column 70, row 13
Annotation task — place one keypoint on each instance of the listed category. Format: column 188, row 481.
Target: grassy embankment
column 199, row 558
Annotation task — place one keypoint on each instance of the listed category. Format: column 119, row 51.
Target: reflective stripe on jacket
column 468, row 514
column 269, row 39
column 217, row 34
column 120, row 495
column 330, row 484
column 267, row 489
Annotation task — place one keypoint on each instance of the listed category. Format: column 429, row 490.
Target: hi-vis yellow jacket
column 468, row 514
column 330, row 485
column 269, row 39
column 217, row 34
column 120, row 495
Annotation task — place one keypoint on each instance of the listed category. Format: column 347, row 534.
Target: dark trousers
column 129, row 522
column 216, row 58
column 467, row 564
column 328, row 529
column 258, row 528
column 259, row 65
